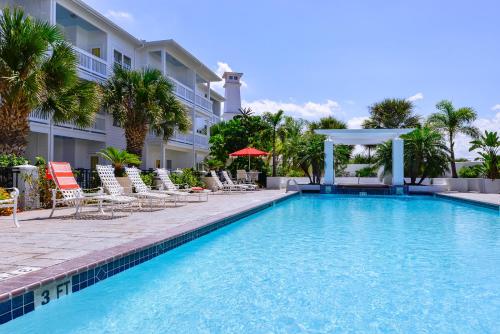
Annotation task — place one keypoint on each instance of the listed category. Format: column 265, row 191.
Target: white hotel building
column 99, row 43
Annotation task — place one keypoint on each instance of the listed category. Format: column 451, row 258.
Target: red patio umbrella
column 250, row 152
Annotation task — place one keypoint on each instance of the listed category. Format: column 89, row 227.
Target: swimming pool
column 318, row 263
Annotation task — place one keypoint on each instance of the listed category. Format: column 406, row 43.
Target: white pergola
column 364, row 137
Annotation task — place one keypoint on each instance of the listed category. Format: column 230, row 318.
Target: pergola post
column 329, row 163
column 398, row 162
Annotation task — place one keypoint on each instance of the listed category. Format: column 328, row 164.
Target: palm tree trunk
column 452, row 158
column 135, row 134
column 14, row 127
column 274, row 152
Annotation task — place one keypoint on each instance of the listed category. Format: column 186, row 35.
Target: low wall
column 429, row 185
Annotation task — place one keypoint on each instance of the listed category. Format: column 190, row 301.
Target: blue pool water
column 316, row 264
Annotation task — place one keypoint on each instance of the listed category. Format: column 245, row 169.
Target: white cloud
column 462, row 142
column 496, row 107
column 221, row 68
column 416, row 97
column 309, row 110
column 356, row 122
column 119, row 15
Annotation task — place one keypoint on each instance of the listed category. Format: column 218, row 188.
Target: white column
column 50, row 142
column 162, row 155
column 163, row 62
column 193, row 120
column 397, row 162
column 329, row 162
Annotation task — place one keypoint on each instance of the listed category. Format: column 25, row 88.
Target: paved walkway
column 476, row 197
column 41, row 242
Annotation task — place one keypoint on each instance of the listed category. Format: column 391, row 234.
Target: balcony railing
column 203, row 102
column 182, row 90
column 90, row 63
column 99, row 125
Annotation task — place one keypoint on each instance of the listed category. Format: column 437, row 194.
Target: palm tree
column 119, row 159
column 38, row 71
column 274, row 121
column 489, row 143
column 426, row 154
column 452, row 122
column 141, row 101
column 392, row 114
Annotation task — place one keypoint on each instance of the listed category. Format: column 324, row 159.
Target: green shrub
column 148, row 178
column 10, row 160
column 188, row 176
column 470, row 171
column 360, row 159
column 370, row 171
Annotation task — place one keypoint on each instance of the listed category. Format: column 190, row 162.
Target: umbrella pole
column 249, row 162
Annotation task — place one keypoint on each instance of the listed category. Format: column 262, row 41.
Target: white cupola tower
column 232, row 103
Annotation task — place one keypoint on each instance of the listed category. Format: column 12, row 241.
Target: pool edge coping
column 469, row 201
column 23, row 285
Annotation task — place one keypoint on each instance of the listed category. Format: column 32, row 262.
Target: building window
column 169, row 164
column 127, row 62
column 157, row 164
column 235, row 78
column 230, row 77
column 116, row 123
column 117, row 56
column 96, row 52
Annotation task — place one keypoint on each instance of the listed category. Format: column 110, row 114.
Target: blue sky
column 336, row 57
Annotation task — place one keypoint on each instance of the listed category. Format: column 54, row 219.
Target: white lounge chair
column 225, row 187
column 72, row 194
column 11, row 203
column 145, row 192
column 230, row 182
column 169, row 187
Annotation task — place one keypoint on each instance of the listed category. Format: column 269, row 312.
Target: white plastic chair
column 72, row 194
column 170, row 188
column 145, row 192
column 224, row 187
column 230, row 182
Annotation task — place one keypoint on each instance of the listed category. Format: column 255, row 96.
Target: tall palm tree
column 274, row 121
column 452, row 122
column 392, row 114
column 38, row 70
column 142, row 100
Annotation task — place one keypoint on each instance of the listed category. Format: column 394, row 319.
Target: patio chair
column 144, row 192
column 72, row 194
column 11, row 203
column 241, row 176
column 225, row 187
column 230, row 182
column 169, row 187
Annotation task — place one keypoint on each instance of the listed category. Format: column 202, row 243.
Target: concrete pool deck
column 493, row 199
column 43, row 248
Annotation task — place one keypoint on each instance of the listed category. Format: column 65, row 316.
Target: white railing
column 203, row 102
column 186, row 138
column 201, row 140
column 99, row 125
column 91, row 63
column 182, row 90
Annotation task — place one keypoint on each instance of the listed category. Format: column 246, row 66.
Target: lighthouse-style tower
column 232, row 103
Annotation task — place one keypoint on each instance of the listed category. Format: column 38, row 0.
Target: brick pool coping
column 22, row 284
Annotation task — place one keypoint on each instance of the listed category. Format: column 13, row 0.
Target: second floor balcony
column 99, row 125
column 90, row 63
column 186, row 93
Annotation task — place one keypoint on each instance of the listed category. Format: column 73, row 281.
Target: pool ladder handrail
column 296, row 184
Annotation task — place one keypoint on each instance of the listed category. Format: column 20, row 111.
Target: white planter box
column 276, row 182
column 460, row 185
column 491, row 186
column 126, row 184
